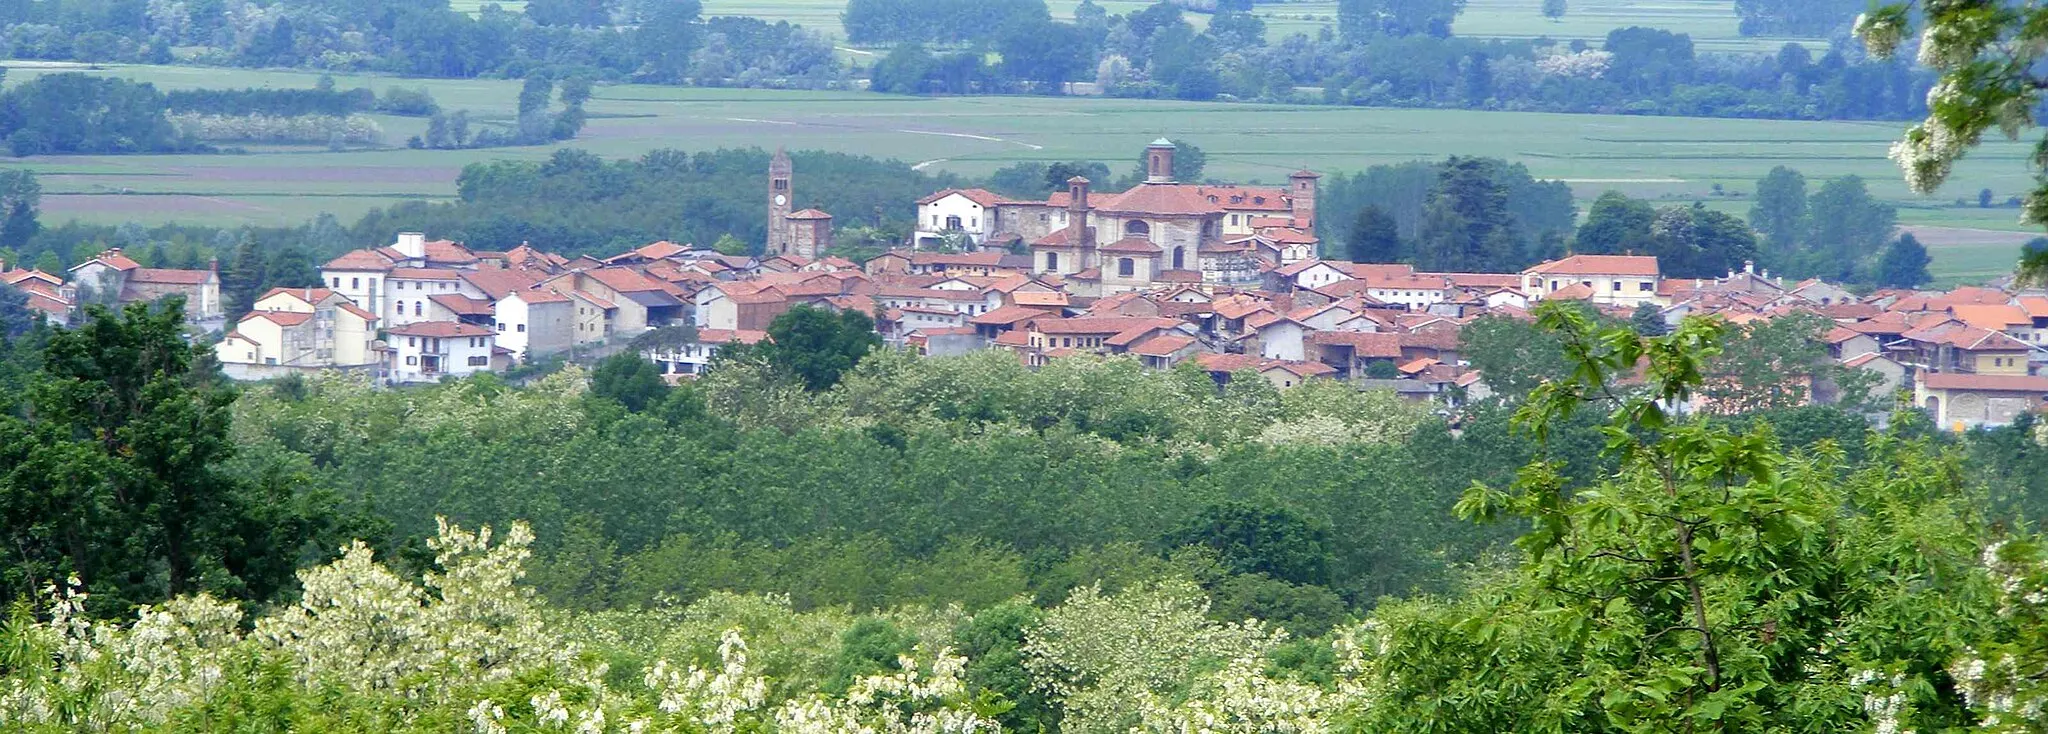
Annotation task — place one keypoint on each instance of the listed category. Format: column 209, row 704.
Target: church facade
column 1164, row 232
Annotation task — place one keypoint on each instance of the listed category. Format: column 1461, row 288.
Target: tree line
column 1379, row 52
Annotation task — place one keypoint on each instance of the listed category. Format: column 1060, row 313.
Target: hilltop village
column 1222, row 276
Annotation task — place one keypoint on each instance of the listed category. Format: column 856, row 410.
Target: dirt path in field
column 1952, row 236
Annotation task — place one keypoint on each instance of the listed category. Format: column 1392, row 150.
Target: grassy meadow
column 1667, row 158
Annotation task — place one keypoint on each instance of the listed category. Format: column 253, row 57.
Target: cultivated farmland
column 1677, row 159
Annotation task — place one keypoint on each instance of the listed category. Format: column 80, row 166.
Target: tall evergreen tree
column 1466, row 226
column 1374, row 237
column 1780, row 212
column 1903, row 264
column 242, row 282
column 20, row 199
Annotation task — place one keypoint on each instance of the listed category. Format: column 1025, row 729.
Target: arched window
column 1180, row 258
column 1052, row 261
column 1124, row 267
column 1137, row 228
column 952, row 222
column 418, row 307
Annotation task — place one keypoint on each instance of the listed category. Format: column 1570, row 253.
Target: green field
column 1711, row 23
column 1674, row 159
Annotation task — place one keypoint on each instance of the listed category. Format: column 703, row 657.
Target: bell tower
column 779, row 197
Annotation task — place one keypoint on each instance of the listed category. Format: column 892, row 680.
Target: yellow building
column 1614, row 280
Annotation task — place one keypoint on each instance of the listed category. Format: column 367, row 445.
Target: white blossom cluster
column 466, row 647
column 1587, row 64
column 2006, row 680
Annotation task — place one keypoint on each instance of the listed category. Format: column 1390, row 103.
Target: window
column 520, row 328
column 1647, row 286
column 355, row 283
column 1124, row 267
column 501, row 328
column 334, row 282
column 952, row 222
column 1137, row 228
column 409, row 361
column 270, row 360
column 1617, row 286
column 1052, row 261
column 412, row 341
column 479, row 361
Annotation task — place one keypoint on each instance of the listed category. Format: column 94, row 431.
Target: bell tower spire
column 780, row 195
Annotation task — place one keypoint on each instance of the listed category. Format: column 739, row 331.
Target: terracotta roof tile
column 983, row 197
column 1997, row 383
column 359, row 261
column 1598, row 265
column 1163, row 345
column 1364, row 344
column 281, row 318
column 443, row 329
column 169, row 277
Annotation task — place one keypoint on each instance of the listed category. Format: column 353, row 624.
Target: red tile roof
column 1299, row 369
column 449, row 253
column 1163, row 345
column 497, row 282
column 359, row 261
column 1135, row 245
column 1219, row 362
column 1364, row 344
column 113, row 259
column 807, row 214
column 1988, row 383
column 626, row 281
column 169, row 277
column 1598, row 265
column 312, row 296
column 441, row 329
column 357, row 310
column 281, row 318
column 1008, row 315
column 983, row 197
column 462, row 305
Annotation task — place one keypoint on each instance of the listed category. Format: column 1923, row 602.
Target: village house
column 47, row 294
column 1959, row 402
column 300, row 330
column 111, row 277
column 427, row 351
column 1608, row 280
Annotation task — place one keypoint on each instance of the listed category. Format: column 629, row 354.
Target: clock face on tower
column 780, row 200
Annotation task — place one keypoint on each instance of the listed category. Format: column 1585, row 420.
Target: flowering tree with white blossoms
column 366, row 650
column 1989, row 54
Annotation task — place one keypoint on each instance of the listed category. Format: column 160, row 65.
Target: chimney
column 1077, row 211
column 213, row 264
column 412, row 245
column 1159, row 162
column 1749, row 267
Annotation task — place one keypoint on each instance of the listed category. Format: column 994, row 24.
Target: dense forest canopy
column 961, row 544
